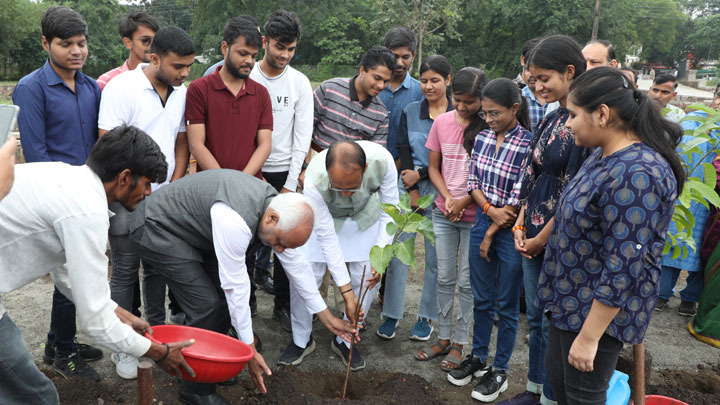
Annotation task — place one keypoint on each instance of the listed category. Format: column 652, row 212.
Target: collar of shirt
column 405, row 83
column 354, row 96
column 53, row 78
column 425, row 108
column 147, row 84
column 219, row 85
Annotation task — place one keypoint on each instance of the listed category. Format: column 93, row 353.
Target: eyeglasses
column 483, row 115
column 146, row 40
column 345, row 190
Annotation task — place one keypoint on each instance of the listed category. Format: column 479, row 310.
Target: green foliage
column 408, row 221
column 699, row 190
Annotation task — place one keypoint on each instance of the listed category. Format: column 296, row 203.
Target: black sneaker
column 282, row 315
column 87, row 352
column 491, row 386
column 687, row 308
column 74, row 366
column 294, row 355
column 661, row 304
column 464, row 372
column 358, row 363
column 265, row 281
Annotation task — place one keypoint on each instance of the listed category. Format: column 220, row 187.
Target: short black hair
column 438, row 64
column 172, row 39
column 282, row 26
column 529, row 45
column 127, row 147
column 400, row 36
column 347, row 158
column 608, row 45
column 62, row 22
column 245, row 26
column 376, row 56
column 664, row 78
column 130, row 23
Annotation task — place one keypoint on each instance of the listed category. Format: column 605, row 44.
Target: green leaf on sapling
column 709, row 175
column 426, row 229
column 391, row 228
column 393, row 211
column 426, row 201
column 380, row 257
column 405, row 251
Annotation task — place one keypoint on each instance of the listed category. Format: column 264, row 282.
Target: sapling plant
column 406, row 223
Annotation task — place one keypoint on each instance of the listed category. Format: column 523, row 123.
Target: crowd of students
column 561, row 186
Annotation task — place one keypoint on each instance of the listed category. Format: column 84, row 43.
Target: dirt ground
column 682, row 367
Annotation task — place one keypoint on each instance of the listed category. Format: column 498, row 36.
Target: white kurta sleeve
column 231, row 238
column 326, row 236
column 301, row 277
column 83, row 279
column 388, row 194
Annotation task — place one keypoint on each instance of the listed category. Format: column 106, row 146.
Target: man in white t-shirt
column 152, row 98
column 292, row 110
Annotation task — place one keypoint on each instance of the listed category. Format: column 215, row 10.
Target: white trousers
column 301, row 318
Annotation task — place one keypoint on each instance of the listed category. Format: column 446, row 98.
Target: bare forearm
column 258, row 158
column 205, row 159
column 182, row 156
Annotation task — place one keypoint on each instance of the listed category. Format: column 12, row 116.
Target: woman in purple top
column 599, row 280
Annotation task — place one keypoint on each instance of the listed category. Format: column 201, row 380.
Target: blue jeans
column 495, row 284
column 20, row 380
column 396, row 276
column 539, row 328
column 452, row 240
column 691, row 292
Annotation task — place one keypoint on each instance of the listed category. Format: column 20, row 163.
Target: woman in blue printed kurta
column 600, row 276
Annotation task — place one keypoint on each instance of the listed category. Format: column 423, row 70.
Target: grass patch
column 5, row 99
column 7, row 83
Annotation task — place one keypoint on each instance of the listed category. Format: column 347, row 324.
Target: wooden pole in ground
column 144, row 379
column 639, row 381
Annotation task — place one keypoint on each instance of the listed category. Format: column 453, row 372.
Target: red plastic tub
column 661, row 400
column 214, row 357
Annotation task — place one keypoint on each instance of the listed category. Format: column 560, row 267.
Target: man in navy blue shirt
column 58, row 122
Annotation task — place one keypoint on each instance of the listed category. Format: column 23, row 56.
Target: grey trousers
column 452, row 241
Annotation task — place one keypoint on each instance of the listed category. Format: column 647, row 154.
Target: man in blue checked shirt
column 58, row 122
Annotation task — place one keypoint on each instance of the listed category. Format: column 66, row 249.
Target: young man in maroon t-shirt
column 229, row 116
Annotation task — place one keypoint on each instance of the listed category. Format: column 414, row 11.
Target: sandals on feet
column 452, row 359
column 438, row 349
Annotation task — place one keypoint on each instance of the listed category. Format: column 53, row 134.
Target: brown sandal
column 429, row 354
column 451, row 360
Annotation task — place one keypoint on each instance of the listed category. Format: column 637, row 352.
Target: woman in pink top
column 454, row 212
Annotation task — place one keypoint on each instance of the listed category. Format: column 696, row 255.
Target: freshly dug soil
column 286, row 386
column 701, row 387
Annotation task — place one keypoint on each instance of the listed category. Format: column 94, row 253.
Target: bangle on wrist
column 346, row 291
column 486, row 207
column 167, row 353
column 304, row 165
column 519, row 227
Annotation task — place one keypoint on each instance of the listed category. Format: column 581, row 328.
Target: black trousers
column 572, row 386
column 62, row 325
column 280, row 280
column 196, row 287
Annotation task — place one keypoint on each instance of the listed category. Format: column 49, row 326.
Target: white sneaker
column 125, row 365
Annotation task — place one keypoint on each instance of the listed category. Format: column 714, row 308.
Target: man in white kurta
column 347, row 183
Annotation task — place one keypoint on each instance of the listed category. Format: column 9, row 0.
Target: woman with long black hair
column 599, row 280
